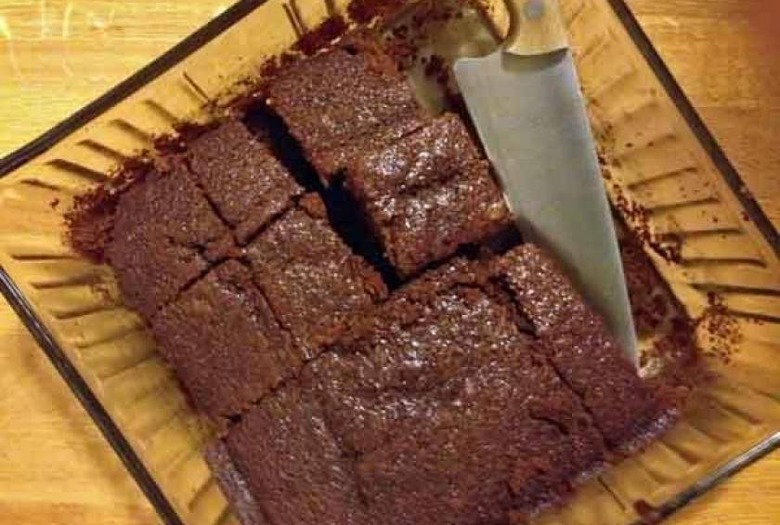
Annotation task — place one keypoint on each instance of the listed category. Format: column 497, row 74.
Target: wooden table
column 56, row 55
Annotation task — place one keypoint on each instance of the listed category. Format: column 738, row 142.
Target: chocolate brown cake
column 163, row 236
column 311, row 279
column 343, row 102
column 434, row 223
column 292, row 464
column 224, row 342
column 437, row 152
column 580, row 347
column 447, row 404
column 234, row 485
column 435, row 408
column 243, row 179
column 474, row 393
column 428, row 194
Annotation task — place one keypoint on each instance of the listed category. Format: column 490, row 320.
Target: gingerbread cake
column 242, row 178
column 428, row 194
column 342, row 102
column 443, row 405
column 411, row 377
column 224, row 342
column 311, row 278
column 163, row 237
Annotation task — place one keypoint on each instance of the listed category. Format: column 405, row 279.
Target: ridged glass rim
column 190, row 45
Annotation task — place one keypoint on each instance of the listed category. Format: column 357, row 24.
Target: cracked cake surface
column 428, row 194
column 312, row 280
column 339, row 103
column 224, row 342
column 581, row 348
column 438, row 406
column 164, row 234
column 242, row 177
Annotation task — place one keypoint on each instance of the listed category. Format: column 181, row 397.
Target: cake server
column 526, row 104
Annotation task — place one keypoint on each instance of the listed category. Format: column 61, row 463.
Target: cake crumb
column 90, row 220
column 324, row 34
column 720, row 328
column 366, row 11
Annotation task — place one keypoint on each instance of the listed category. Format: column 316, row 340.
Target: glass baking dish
column 658, row 155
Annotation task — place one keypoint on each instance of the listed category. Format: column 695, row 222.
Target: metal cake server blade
column 527, row 106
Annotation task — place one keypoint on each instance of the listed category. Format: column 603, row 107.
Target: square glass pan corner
column 659, row 155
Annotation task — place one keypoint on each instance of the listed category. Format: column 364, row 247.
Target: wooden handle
column 537, row 28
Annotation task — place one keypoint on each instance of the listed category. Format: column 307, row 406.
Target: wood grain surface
column 57, row 55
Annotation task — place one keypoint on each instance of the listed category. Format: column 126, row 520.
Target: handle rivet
column 533, row 9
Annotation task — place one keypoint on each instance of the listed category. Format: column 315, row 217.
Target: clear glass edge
column 190, row 45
